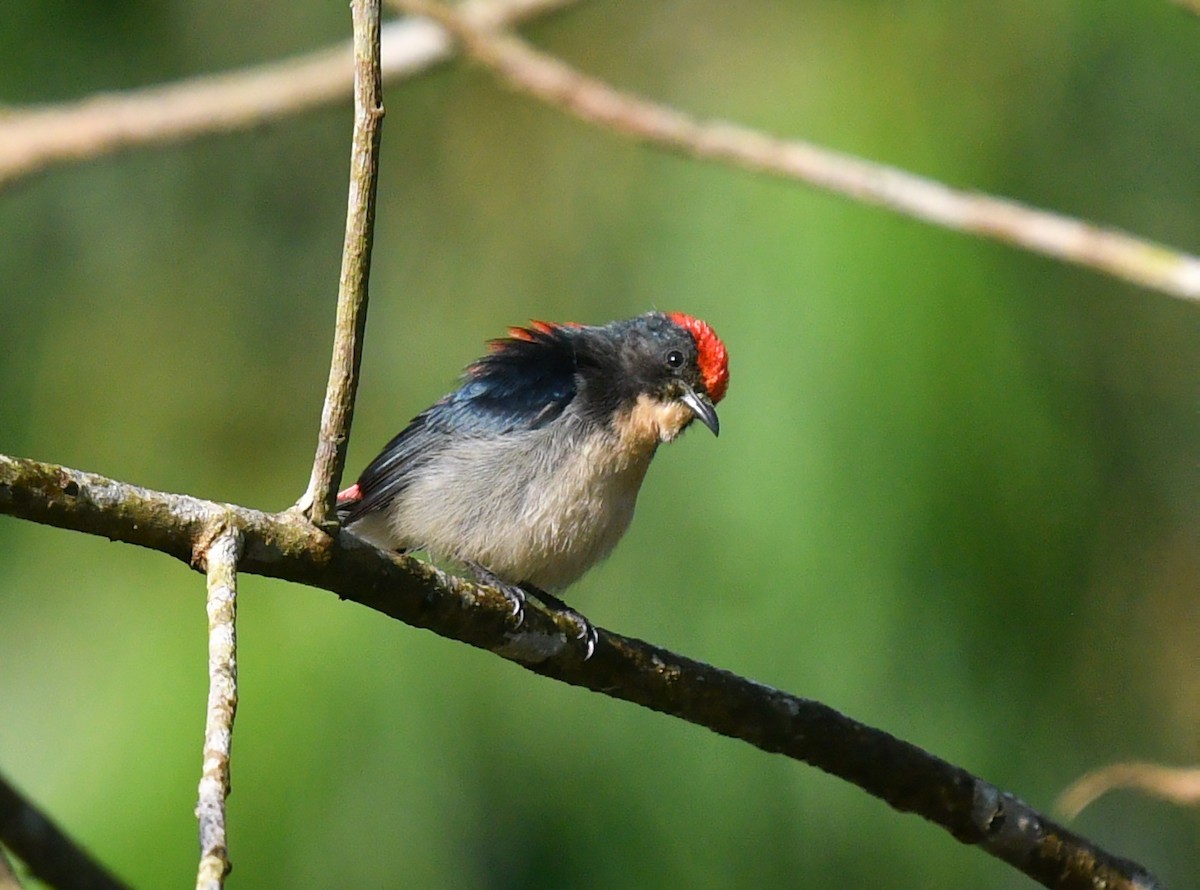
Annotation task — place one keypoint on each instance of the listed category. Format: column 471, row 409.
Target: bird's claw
column 516, row 598
column 587, row 633
column 516, row 594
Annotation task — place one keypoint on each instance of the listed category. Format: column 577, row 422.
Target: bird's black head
column 652, row 375
column 646, row 378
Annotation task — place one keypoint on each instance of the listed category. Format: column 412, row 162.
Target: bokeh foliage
column 955, row 493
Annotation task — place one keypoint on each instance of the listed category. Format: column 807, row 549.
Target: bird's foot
column 514, row 593
column 587, row 632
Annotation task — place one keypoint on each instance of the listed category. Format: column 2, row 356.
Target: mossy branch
column 285, row 545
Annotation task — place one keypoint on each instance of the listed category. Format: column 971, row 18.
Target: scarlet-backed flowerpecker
column 529, row 472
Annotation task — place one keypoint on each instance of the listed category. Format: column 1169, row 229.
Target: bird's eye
column 674, row 359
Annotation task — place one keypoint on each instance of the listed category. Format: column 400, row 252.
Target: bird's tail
column 347, row 500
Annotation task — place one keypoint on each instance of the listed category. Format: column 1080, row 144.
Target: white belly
column 481, row 505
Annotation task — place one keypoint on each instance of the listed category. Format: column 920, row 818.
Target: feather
column 525, row 382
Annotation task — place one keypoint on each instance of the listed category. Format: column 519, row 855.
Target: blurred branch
column 594, row 101
column 285, row 546
column 220, row 563
column 47, row 852
column 35, row 138
column 8, row 877
column 320, row 498
column 1192, row 6
column 1176, row 785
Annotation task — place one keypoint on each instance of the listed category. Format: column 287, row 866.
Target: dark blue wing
column 526, row 382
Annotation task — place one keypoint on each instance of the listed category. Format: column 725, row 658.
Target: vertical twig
column 330, row 460
column 222, row 559
column 49, row 854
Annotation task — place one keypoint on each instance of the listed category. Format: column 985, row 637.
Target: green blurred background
column 955, row 493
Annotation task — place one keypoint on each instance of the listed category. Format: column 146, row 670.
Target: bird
column 528, row 473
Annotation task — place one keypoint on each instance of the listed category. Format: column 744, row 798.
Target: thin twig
column 351, row 324
column 285, row 546
column 1179, row 785
column 35, row 138
column 49, row 854
column 220, row 559
column 1061, row 237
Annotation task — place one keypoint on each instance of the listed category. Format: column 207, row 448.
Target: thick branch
column 220, row 563
column 50, row 855
column 351, row 323
column 285, row 546
column 1061, row 237
column 33, row 139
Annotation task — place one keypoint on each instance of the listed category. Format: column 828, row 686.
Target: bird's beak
column 702, row 407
